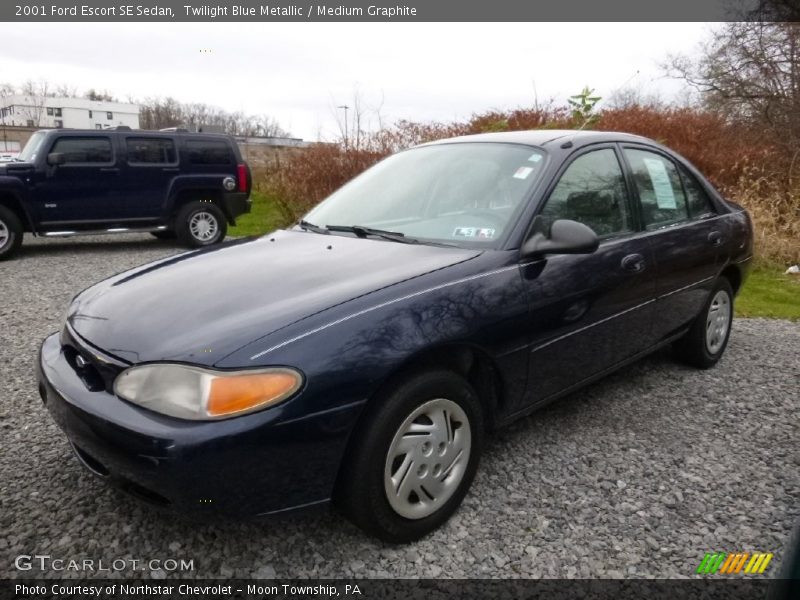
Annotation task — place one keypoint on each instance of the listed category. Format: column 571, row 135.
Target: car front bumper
column 246, row 466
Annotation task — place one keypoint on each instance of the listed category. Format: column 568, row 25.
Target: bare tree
column 35, row 94
column 750, row 72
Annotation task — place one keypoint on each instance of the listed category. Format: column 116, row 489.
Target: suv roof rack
column 175, row 129
column 119, row 128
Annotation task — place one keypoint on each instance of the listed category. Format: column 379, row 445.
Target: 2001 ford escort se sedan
column 360, row 356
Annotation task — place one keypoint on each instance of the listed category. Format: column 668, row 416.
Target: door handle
column 109, row 170
column 633, row 263
column 715, row 237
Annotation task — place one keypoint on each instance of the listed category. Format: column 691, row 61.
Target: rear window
column 77, row 150
column 151, row 151
column 209, row 153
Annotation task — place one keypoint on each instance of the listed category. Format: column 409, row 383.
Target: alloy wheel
column 718, row 321
column 203, row 226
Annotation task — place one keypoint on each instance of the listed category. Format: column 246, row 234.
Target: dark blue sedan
column 360, row 356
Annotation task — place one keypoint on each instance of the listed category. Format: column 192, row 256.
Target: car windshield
column 28, row 153
column 464, row 194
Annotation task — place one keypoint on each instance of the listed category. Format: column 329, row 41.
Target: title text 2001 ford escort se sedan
column 360, row 356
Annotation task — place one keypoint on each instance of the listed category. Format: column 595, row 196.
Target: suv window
column 592, row 191
column 209, row 153
column 659, row 185
column 77, row 150
column 151, row 151
column 700, row 204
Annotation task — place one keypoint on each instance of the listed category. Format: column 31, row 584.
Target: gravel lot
column 637, row 476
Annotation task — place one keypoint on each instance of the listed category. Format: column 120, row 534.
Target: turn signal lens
column 231, row 395
column 201, row 394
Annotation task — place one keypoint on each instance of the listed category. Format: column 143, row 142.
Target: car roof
column 543, row 137
column 136, row 132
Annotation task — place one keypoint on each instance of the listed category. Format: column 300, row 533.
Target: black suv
column 78, row 182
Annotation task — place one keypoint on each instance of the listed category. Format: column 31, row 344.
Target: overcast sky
column 299, row 72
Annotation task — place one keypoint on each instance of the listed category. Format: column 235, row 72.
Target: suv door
column 685, row 235
column 589, row 312
column 83, row 190
column 151, row 163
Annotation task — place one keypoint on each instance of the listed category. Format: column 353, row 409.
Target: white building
column 75, row 113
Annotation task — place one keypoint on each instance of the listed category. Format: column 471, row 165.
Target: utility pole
column 345, row 108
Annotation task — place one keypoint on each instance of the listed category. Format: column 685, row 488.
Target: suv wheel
column 10, row 233
column 413, row 457
column 200, row 224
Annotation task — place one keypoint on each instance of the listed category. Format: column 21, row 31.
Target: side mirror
column 56, row 158
column 565, row 237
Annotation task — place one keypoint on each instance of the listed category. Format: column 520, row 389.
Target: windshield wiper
column 362, row 232
column 311, row 227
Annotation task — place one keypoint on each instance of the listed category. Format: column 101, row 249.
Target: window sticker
column 481, row 233
column 523, row 172
column 465, row 232
column 665, row 197
column 535, row 158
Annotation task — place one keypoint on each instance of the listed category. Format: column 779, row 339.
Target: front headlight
column 205, row 394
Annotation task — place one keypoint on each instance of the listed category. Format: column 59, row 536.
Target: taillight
column 242, row 177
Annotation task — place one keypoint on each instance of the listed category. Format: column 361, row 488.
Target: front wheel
column 704, row 344
column 413, row 457
column 10, row 233
column 200, row 224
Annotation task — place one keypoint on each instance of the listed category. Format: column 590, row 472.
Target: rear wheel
column 413, row 458
column 10, row 233
column 200, row 224
column 704, row 344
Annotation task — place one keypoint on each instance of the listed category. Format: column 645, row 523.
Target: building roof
column 82, row 103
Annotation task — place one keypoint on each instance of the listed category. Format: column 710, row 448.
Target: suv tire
column 10, row 232
column 200, row 223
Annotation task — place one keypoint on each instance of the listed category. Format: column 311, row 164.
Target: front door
column 85, row 190
column 589, row 312
column 150, row 165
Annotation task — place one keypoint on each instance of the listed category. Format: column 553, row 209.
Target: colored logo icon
column 725, row 563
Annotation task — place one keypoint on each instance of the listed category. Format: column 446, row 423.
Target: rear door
column 685, row 233
column 589, row 312
column 85, row 190
column 151, row 163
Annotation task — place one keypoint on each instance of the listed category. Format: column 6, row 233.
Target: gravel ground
column 637, row 476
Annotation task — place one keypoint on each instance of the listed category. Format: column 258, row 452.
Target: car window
column 150, row 150
column 659, row 185
column 209, row 153
column 78, row 150
column 592, row 191
column 700, row 204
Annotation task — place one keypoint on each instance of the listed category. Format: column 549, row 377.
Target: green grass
column 264, row 216
column 769, row 293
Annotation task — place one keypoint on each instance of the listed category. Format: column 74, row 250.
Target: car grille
column 95, row 369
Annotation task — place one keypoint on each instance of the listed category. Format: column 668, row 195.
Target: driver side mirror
column 565, row 237
column 56, row 158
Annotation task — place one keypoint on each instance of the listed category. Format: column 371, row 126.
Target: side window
column 592, row 191
column 78, row 150
column 209, row 153
column 151, row 151
column 700, row 204
column 659, row 185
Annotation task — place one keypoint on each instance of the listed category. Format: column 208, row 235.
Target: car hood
column 201, row 306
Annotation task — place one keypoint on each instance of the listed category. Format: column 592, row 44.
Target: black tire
column 361, row 494
column 211, row 213
column 164, row 234
column 694, row 347
column 10, row 233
